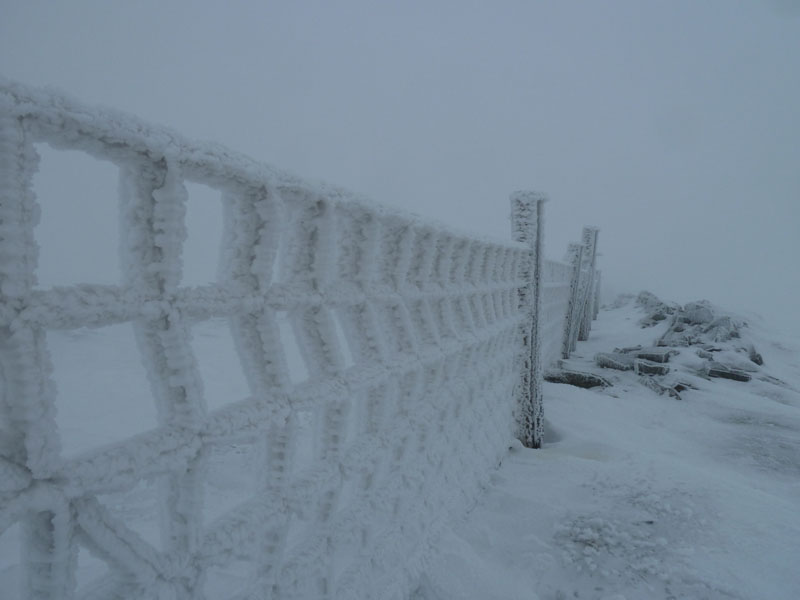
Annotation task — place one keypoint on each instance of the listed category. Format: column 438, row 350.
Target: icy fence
column 422, row 346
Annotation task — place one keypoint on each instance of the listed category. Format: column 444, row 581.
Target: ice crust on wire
column 403, row 432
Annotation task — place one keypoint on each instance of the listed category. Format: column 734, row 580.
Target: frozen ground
column 637, row 495
column 634, row 496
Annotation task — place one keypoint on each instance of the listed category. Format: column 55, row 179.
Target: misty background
column 673, row 126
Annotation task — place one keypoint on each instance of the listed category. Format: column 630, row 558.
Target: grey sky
column 672, row 125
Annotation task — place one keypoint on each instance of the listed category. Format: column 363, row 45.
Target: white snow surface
column 638, row 495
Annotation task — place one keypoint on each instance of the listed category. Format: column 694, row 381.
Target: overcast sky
column 674, row 126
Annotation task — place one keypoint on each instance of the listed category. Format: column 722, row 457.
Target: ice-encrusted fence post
column 574, row 255
column 526, row 225
column 589, row 239
column 596, row 295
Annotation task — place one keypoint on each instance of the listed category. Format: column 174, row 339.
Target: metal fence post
column 526, row 224
column 597, row 295
column 589, row 238
column 574, row 256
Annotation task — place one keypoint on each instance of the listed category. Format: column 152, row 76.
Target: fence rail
column 447, row 335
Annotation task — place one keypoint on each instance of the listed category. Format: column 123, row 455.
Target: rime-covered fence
column 422, row 346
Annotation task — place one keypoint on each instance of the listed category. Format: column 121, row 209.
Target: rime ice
column 413, row 336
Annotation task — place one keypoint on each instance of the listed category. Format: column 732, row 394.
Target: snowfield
column 639, row 495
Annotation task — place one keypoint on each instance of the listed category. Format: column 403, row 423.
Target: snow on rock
column 699, row 339
column 655, row 310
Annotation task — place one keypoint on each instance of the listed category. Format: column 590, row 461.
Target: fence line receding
column 424, row 348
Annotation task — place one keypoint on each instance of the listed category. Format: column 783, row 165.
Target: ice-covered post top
column 589, row 239
column 526, row 227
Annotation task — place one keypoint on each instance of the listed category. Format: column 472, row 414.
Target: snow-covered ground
column 639, row 495
column 635, row 495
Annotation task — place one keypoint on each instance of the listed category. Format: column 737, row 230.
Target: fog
column 673, row 126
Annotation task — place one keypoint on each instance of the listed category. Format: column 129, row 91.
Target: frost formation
column 438, row 325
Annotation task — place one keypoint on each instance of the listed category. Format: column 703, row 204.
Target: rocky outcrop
column 699, row 323
column 717, row 339
column 656, row 311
